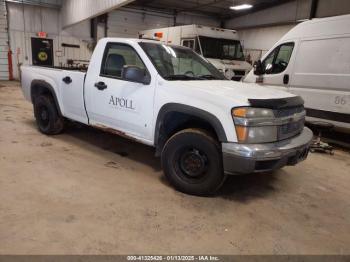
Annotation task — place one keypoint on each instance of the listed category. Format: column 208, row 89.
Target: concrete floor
column 89, row 192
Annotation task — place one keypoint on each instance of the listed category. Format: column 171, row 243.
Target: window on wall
column 277, row 61
column 117, row 56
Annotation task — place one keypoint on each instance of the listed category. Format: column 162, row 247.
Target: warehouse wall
column 4, row 67
column 290, row 12
column 257, row 41
column 328, row 8
column 282, row 14
column 75, row 11
column 46, row 3
column 263, row 38
column 26, row 20
column 126, row 22
column 261, row 29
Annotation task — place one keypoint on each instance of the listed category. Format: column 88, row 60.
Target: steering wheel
column 283, row 64
column 189, row 73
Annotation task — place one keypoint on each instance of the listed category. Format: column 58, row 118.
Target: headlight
column 254, row 125
column 249, row 112
column 256, row 135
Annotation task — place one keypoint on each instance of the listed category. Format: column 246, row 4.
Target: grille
column 293, row 127
column 290, row 129
column 288, row 111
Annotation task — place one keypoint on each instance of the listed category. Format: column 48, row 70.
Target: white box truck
column 313, row 61
column 221, row 47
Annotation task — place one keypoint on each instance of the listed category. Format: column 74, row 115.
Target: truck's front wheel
column 192, row 162
column 46, row 115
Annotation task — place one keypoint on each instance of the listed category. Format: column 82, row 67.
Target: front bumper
column 253, row 158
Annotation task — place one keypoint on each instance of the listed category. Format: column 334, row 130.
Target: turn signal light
column 240, row 112
column 159, row 35
column 242, row 133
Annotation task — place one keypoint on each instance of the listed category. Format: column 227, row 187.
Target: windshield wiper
column 208, row 77
column 182, row 77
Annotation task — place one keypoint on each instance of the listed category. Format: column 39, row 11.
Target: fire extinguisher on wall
column 10, row 67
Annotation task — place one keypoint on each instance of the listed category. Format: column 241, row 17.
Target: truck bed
column 71, row 93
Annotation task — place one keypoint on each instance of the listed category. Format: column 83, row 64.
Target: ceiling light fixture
column 241, row 7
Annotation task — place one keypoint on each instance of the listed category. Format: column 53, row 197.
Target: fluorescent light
column 241, row 7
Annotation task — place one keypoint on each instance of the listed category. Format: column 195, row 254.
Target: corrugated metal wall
column 26, row 20
column 46, row 3
column 75, row 11
column 4, row 72
column 126, row 22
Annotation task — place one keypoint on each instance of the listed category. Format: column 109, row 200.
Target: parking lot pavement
column 89, row 192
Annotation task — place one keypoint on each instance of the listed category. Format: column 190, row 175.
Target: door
column 42, row 52
column 119, row 104
column 276, row 65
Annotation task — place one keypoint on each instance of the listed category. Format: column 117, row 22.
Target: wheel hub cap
column 44, row 115
column 193, row 163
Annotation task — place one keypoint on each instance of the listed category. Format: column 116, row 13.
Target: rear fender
column 39, row 87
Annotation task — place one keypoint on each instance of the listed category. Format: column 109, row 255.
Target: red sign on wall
column 42, row 34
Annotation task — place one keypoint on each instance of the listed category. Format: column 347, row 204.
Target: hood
column 230, row 64
column 234, row 91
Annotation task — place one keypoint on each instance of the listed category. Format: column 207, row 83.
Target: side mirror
column 258, row 68
column 136, row 74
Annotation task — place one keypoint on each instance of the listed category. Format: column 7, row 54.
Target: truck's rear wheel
column 47, row 117
column 191, row 160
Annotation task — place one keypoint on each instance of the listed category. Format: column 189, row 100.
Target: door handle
column 67, row 80
column 286, row 79
column 100, row 85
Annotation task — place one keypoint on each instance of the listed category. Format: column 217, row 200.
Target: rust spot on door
column 115, row 131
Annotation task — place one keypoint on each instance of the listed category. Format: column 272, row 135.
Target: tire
column 192, row 162
column 47, row 117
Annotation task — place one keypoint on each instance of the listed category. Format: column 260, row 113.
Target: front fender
column 196, row 112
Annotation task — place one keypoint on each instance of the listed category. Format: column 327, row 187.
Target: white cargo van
column 221, row 47
column 313, row 61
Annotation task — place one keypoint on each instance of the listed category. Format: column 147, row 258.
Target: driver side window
column 116, row 56
column 277, row 61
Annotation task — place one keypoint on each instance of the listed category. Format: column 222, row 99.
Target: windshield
column 221, row 48
column 180, row 63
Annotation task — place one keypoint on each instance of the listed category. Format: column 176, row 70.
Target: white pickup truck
column 202, row 125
